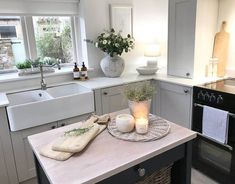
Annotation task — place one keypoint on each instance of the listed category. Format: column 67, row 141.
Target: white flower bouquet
column 113, row 43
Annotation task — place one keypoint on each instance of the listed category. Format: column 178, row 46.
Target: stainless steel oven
column 209, row 156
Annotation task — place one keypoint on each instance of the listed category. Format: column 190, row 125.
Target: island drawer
column 146, row 168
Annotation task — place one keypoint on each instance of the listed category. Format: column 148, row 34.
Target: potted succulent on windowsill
column 139, row 99
column 113, row 44
column 30, row 66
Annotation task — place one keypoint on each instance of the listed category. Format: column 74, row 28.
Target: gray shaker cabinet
column 181, row 36
column 174, row 102
column 111, row 99
column 191, row 29
column 23, row 152
column 8, row 173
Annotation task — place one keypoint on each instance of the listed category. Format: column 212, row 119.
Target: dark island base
column 181, row 156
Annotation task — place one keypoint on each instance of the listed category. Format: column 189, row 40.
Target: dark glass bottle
column 84, row 75
column 76, row 72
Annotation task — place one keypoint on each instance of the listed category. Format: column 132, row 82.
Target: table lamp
column 152, row 51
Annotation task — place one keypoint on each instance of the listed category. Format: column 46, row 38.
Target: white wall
column 227, row 13
column 206, row 27
column 150, row 24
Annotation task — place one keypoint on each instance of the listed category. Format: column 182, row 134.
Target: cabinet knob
column 188, row 74
column 53, row 127
column 186, row 91
column 220, row 100
column 105, row 93
column 141, row 172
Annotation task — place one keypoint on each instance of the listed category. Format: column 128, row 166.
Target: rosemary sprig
column 77, row 131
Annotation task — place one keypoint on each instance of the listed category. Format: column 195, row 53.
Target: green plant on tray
column 24, row 65
column 29, row 63
column 77, row 131
column 139, row 93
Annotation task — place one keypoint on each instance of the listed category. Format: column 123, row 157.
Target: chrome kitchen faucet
column 43, row 81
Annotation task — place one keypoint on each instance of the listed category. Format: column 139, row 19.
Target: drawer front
column 146, row 168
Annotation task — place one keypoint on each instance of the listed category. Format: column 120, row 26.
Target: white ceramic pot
column 125, row 122
column 112, row 66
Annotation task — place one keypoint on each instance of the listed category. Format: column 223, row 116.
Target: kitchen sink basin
column 66, row 90
column 28, row 97
column 37, row 107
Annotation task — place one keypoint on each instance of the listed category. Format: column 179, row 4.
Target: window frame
column 29, row 39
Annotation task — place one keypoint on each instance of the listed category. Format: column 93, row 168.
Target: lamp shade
column 152, row 50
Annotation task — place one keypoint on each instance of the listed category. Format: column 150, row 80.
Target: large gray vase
column 112, row 66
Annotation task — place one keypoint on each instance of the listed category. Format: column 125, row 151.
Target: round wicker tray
column 158, row 128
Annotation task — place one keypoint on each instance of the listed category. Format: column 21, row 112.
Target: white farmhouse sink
column 28, row 97
column 33, row 108
column 66, row 90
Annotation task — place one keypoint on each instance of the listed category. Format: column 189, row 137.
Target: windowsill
column 9, row 77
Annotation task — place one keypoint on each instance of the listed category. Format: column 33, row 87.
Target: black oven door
column 213, row 159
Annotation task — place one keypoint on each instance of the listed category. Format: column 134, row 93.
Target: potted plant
column 113, row 44
column 30, row 66
column 139, row 99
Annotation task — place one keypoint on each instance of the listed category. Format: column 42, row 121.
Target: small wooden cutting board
column 220, row 49
column 59, row 155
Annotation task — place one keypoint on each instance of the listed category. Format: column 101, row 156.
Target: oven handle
column 225, row 145
column 199, row 105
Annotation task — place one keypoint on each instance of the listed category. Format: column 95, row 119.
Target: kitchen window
column 45, row 37
column 53, row 36
column 12, row 48
column 45, row 29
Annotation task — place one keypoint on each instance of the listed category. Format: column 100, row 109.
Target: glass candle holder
column 141, row 125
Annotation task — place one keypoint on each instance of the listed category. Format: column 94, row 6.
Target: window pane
column 11, row 42
column 53, row 37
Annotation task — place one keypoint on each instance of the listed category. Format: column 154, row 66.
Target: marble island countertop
column 105, row 156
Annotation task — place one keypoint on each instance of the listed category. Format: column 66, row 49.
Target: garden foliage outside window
column 53, row 38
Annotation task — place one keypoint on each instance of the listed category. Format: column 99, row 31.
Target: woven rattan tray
column 158, row 128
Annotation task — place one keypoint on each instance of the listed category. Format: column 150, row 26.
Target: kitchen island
column 110, row 160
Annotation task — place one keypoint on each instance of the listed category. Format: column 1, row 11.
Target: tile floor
column 199, row 178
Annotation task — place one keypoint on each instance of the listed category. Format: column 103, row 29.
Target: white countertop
column 105, row 156
column 103, row 82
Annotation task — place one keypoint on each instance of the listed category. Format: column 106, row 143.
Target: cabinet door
column 23, row 152
column 3, row 168
column 174, row 103
column 181, row 37
column 113, row 99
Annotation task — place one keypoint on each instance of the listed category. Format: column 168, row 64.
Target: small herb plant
column 29, row 63
column 77, row 131
column 113, row 43
column 139, row 93
column 24, row 65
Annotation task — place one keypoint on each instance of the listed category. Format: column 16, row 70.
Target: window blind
column 39, row 7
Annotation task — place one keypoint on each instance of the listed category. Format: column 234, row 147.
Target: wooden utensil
column 220, row 49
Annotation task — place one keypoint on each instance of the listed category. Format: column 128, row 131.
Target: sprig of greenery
column 139, row 93
column 77, row 131
column 113, row 43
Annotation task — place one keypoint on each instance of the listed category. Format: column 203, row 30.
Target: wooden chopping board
column 47, row 150
column 220, row 50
